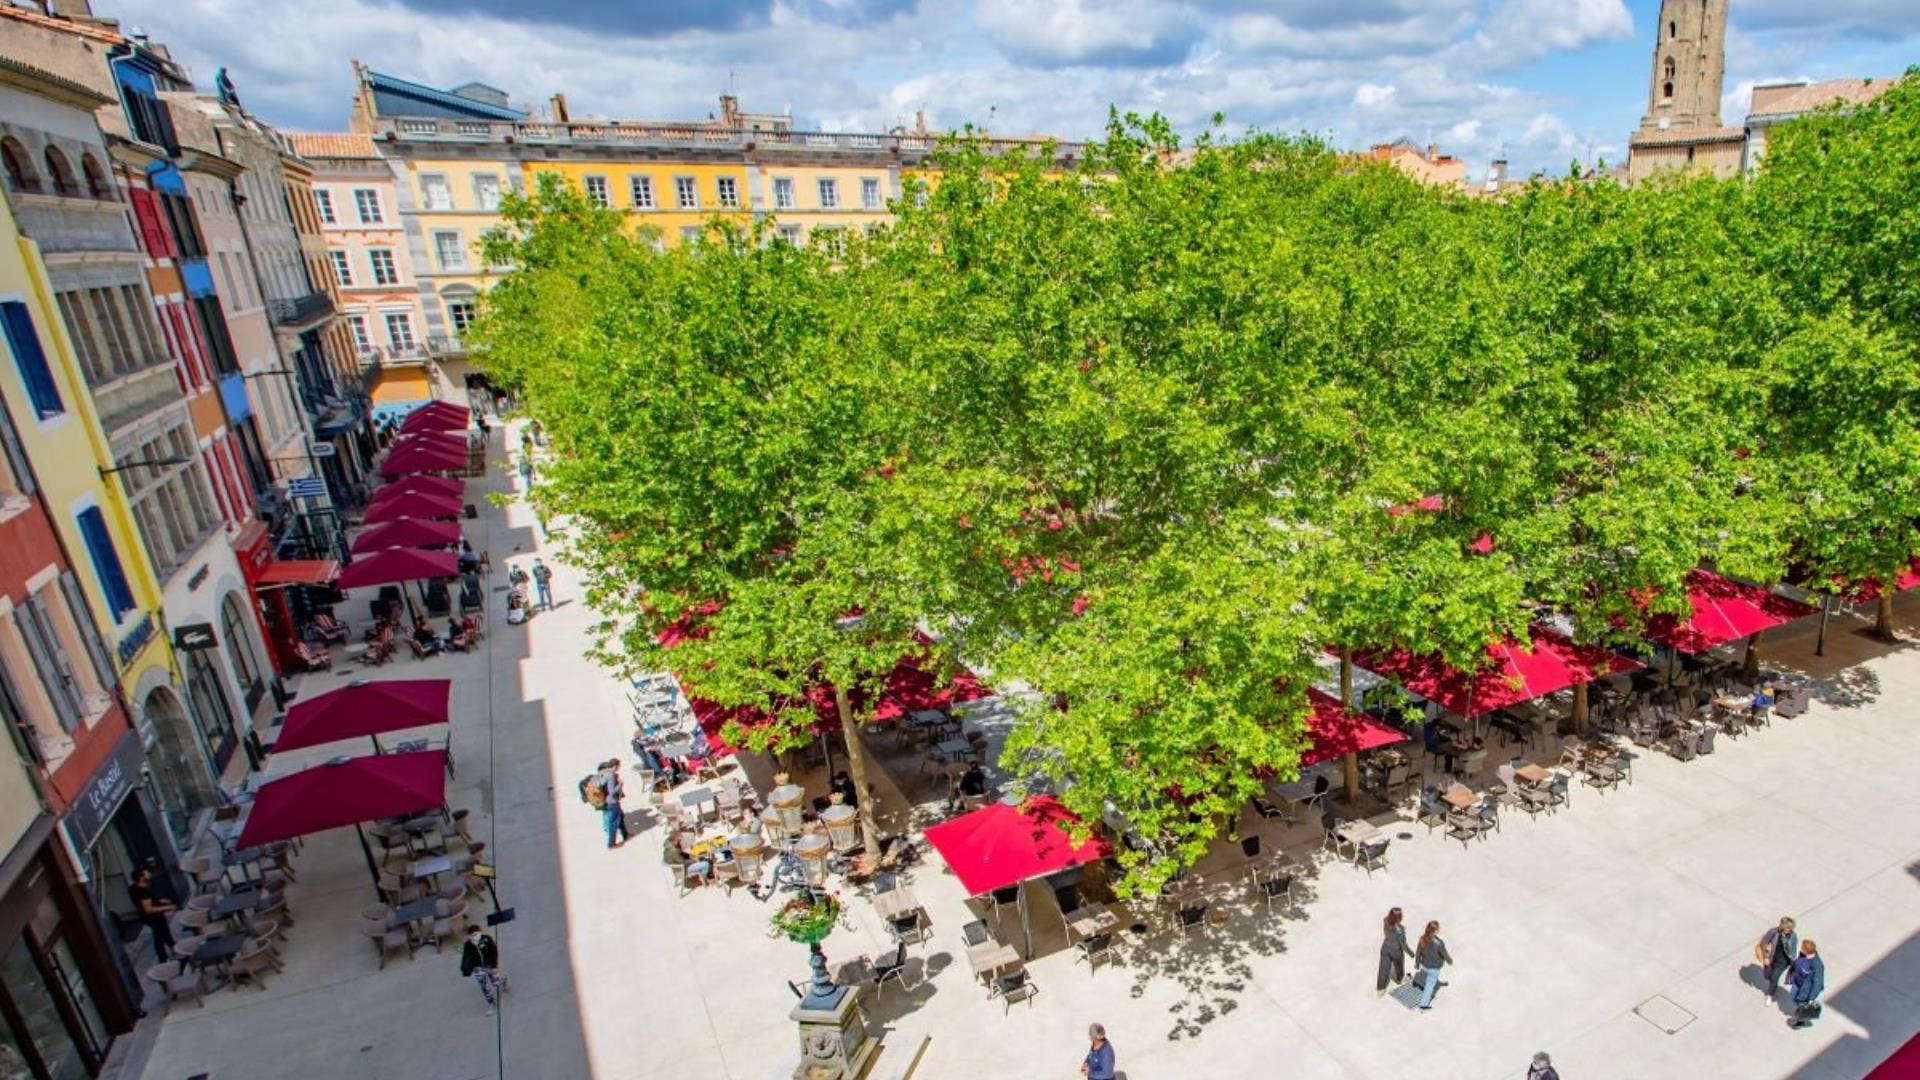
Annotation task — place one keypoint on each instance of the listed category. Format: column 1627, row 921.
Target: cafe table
column 429, row 867
column 1533, row 774
column 989, row 957
column 896, row 904
column 1461, row 798
column 237, row 901
column 1090, row 922
column 218, row 950
column 1357, row 832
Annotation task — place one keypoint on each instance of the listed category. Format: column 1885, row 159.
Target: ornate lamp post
column 834, row 1043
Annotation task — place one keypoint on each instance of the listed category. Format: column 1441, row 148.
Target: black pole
column 1826, row 611
column 373, row 868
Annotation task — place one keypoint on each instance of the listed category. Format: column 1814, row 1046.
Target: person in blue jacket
column 1808, row 979
column 1098, row 1064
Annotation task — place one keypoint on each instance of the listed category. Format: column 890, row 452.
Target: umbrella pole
column 373, row 868
column 1026, row 930
column 1826, row 610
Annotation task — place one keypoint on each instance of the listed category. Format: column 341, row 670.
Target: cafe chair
column 255, row 960
column 1192, row 916
column 179, row 981
column 387, row 942
column 1277, row 889
column 976, row 933
column 1095, row 949
column 908, row 928
column 894, row 968
column 1015, row 986
column 1372, row 855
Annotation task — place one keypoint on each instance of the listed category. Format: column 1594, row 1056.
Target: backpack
column 592, row 792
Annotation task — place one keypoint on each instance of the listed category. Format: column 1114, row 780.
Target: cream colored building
column 1777, row 103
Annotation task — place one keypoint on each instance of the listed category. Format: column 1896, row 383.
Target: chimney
column 559, row 103
column 1498, row 174
column 1433, row 151
column 729, row 111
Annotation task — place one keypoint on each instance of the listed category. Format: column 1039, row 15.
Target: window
column 690, row 234
column 384, row 272
column 61, row 656
column 642, row 188
column 342, row 268
column 829, row 193
column 870, row 193
column 61, row 173
column 358, row 324
column 97, row 184
column 460, row 314
column 597, row 192
column 20, row 174
column 790, row 234
column 106, row 562
column 323, row 199
column 832, row 241
column 1667, row 90
column 686, row 193
column 783, row 192
column 24, row 340
column 233, row 630
column 728, row 190
column 486, row 192
column 448, row 249
column 434, row 192
column 400, row 331
column 366, row 201
column 1673, row 30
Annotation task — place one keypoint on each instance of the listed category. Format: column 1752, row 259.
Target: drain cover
column 1660, row 1011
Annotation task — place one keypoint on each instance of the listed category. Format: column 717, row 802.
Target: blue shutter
column 106, row 562
column 32, row 359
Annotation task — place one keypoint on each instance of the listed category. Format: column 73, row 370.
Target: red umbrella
column 1337, row 731
column 407, row 532
column 432, row 440
column 397, row 565
column 346, row 791
column 1723, row 610
column 436, row 416
column 412, row 506
column 419, row 459
column 1547, row 664
column 1000, row 846
column 449, row 486
column 365, row 709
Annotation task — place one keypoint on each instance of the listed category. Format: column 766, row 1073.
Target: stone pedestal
column 834, row 1043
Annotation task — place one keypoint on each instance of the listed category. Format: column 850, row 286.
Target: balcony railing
column 302, row 310
column 446, row 345
column 133, row 396
column 642, row 133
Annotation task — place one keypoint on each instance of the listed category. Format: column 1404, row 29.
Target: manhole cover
column 1661, row 1012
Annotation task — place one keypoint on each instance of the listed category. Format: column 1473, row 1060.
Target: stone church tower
column 1681, row 127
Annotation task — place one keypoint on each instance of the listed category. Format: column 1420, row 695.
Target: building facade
column 1681, row 127
column 1777, row 103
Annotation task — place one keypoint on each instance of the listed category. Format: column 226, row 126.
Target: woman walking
column 1808, row 979
column 1393, row 954
column 1775, row 951
column 1432, row 955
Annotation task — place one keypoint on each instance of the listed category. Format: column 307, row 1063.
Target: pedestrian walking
column 1775, row 951
column 611, row 792
column 1542, row 1068
column 543, row 583
column 1393, row 954
column 526, row 471
column 1432, row 955
column 1099, row 1061
column 1809, row 980
column 154, row 908
column 480, row 961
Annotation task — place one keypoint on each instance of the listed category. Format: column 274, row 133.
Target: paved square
column 1588, row 932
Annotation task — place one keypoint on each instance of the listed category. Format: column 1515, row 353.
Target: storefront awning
column 297, row 572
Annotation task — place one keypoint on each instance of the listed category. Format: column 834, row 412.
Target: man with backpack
column 543, row 583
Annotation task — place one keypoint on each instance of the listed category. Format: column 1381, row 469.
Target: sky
column 1539, row 82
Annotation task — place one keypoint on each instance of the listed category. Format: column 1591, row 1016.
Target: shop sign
column 103, row 794
column 194, row 637
column 136, row 639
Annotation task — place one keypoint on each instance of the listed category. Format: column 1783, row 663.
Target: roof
column 398, row 97
column 1687, row 136
column 79, row 93
column 65, row 26
column 1834, row 91
column 330, row 144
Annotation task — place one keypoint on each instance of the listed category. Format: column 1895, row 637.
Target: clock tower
column 1681, row 128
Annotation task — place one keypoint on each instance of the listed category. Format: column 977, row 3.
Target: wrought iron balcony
column 446, row 345
column 301, row 311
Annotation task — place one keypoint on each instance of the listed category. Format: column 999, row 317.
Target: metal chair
column 178, row 980
column 1277, row 888
column 1094, row 949
column 1014, row 986
column 976, row 933
column 1373, row 854
column 1191, row 916
column 895, row 969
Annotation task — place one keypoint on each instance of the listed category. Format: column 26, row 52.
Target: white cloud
column 1519, row 32
column 1373, row 96
column 1056, row 33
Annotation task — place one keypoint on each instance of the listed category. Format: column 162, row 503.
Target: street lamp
column 149, row 463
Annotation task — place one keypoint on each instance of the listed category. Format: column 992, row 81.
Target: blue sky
column 1539, row 81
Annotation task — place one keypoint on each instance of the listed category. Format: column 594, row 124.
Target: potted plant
column 807, row 919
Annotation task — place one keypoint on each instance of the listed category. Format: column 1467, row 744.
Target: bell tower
column 1689, row 66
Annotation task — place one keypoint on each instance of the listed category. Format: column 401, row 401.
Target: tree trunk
column 1350, row 772
column 857, row 768
column 1883, row 615
column 1346, row 677
column 1580, row 709
column 1750, row 664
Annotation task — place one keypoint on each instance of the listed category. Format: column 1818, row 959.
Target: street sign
column 193, row 637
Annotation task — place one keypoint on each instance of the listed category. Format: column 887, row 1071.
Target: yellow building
column 68, row 451
column 676, row 199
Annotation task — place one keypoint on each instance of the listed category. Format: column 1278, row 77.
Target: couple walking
column 1431, row 954
column 1782, row 951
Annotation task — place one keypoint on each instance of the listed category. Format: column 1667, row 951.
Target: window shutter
column 31, row 358
column 89, row 633
column 55, row 672
column 106, row 562
column 16, row 455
